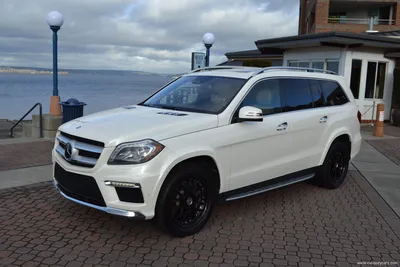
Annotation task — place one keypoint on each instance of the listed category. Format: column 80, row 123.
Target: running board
column 262, row 189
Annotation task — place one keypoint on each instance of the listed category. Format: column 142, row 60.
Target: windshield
column 205, row 94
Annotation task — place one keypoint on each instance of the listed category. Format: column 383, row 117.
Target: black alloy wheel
column 337, row 166
column 187, row 199
column 333, row 171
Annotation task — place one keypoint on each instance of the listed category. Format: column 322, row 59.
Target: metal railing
column 364, row 21
column 26, row 114
column 295, row 69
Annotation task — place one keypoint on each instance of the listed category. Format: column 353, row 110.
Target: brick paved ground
column 16, row 156
column 300, row 225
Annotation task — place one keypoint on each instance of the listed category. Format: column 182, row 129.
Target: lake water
column 100, row 90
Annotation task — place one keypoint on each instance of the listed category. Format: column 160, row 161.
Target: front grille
column 83, row 152
column 77, row 186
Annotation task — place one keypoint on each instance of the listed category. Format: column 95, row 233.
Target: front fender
column 182, row 155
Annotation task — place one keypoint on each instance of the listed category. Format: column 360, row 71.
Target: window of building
column 327, row 64
column 297, row 94
column 317, row 65
column 337, row 17
column 333, row 93
column 376, row 76
column 332, row 65
column 301, row 64
column 355, row 77
column 266, row 96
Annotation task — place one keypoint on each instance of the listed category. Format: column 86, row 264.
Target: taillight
column 359, row 116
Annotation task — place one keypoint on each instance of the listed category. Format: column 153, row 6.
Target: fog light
column 122, row 184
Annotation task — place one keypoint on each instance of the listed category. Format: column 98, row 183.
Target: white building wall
column 313, row 53
column 366, row 106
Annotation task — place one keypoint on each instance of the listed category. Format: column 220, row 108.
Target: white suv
column 221, row 133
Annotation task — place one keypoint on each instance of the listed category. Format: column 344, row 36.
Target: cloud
column 149, row 35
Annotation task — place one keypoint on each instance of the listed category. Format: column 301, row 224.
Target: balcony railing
column 341, row 20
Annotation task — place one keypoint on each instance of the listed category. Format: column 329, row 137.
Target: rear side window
column 316, row 93
column 333, row 93
column 297, row 94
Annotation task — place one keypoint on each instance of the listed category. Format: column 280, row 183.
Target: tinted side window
column 265, row 95
column 316, row 93
column 297, row 94
column 333, row 93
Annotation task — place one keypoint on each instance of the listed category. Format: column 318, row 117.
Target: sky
column 142, row 35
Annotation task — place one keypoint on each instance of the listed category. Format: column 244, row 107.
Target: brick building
column 348, row 15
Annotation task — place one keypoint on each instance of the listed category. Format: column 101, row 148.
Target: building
column 368, row 61
column 354, row 16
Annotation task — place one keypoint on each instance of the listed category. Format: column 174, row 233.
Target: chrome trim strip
column 63, row 139
column 269, row 188
column 114, row 211
column 77, row 158
column 60, row 151
column 87, row 147
column 79, row 145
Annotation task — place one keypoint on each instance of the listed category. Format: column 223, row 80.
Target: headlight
column 135, row 152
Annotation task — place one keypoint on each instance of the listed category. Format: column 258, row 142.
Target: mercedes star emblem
column 68, row 151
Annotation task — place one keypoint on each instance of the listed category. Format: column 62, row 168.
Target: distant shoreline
column 31, row 71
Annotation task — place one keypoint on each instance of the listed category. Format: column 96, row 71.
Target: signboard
column 198, row 60
column 381, row 115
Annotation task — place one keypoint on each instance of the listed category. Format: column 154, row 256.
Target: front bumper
column 114, row 211
column 148, row 175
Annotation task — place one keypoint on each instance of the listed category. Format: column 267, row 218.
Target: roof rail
column 295, row 69
column 218, row 68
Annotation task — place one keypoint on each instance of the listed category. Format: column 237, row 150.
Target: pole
column 55, row 60
column 208, row 46
column 55, row 108
column 380, row 117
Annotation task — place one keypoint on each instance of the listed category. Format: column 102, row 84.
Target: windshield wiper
column 160, row 106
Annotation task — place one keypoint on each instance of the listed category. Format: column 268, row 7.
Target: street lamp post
column 208, row 40
column 55, row 20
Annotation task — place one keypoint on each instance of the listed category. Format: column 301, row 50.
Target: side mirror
column 250, row 114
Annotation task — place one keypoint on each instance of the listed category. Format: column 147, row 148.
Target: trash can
column 71, row 109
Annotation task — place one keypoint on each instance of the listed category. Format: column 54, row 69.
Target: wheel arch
column 204, row 157
column 340, row 135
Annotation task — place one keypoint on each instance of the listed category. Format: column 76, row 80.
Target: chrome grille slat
column 76, row 158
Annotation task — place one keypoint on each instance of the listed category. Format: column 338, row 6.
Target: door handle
column 282, row 127
column 323, row 119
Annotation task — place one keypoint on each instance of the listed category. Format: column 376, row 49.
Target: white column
column 391, row 14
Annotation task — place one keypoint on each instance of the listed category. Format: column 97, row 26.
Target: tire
column 333, row 171
column 187, row 199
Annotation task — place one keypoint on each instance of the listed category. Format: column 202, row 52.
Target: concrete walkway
column 25, row 176
column 382, row 173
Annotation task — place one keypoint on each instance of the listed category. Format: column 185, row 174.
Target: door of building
column 368, row 85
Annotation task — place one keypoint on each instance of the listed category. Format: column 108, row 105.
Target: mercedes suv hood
column 134, row 123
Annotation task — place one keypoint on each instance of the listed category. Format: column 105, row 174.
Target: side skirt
column 268, row 185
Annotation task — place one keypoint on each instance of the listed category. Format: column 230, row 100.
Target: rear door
column 304, row 105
